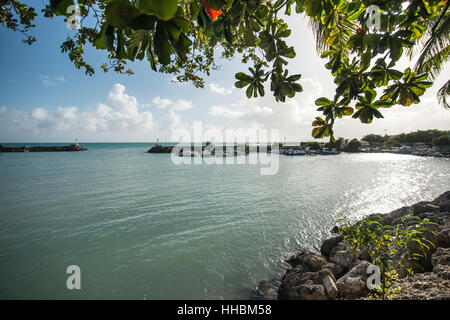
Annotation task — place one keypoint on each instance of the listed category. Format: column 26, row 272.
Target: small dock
column 72, row 147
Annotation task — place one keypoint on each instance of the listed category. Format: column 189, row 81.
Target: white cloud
column 214, row 87
column 173, row 120
column 48, row 83
column 225, row 111
column 181, row 105
column 2, row 109
column 119, row 114
column 39, row 114
column 161, row 103
column 67, row 113
column 118, row 118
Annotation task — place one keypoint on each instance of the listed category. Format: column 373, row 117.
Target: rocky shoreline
column 340, row 273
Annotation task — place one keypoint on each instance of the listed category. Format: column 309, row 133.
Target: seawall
column 72, row 147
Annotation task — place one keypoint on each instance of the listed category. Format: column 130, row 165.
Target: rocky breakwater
column 160, row 149
column 72, row 147
column 341, row 272
column 223, row 149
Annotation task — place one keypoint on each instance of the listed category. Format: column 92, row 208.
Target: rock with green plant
column 410, row 248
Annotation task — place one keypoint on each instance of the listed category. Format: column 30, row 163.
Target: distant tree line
column 433, row 137
column 425, row 136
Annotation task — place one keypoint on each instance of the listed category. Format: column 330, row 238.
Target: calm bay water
column 141, row 227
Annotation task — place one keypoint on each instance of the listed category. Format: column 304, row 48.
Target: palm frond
column 337, row 24
column 443, row 95
column 435, row 51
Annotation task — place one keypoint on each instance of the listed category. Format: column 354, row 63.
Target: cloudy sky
column 43, row 98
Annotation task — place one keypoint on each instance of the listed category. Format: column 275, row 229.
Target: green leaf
column 216, row 4
column 371, row 40
column 365, row 60
column 323, row 102
column 348, row 111
column 396, row 49
column 243, row 77
column 163, row 48
column 382, row 104
column 327, row 53
column 99, row 43
column 135, row 47
column 143, row 22
column 163, row 9
column 254, row 24
column 261, row 89
column 249, row 91
column 151, row 58
column 241, row 84
column 182, row 46
column 119, row 13
column 59, row 7
column 288, row 52
column 108, row 38
column 120, row 50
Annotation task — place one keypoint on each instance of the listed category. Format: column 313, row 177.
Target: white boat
column 293, row 152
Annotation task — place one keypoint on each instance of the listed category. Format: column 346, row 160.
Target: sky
column 44, row 98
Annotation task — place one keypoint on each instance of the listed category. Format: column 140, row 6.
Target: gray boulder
column 328, row 245
column 443, row 201
column 424, row 206
column 267, row 290
column 353, row 284
column 346, row 257
column 337, row 269
column 300, row 284
column 396, row 215
column 309, row 260
column 441, row 257
column 330, row 287
column 311, row 292
column 341, row 246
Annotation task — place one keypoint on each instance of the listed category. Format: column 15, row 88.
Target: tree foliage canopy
column 425, row 136
column 180, row 37
column 442, row 141
column 373, row 138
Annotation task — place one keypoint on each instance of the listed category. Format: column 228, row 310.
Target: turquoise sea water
column 141, row 227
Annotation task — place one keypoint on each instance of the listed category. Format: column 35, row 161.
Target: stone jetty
column 72, row 147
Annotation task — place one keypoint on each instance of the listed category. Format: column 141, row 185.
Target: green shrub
column 388, row 246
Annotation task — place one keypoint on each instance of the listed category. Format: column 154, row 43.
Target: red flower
column 361, row 32
column 213, row 14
